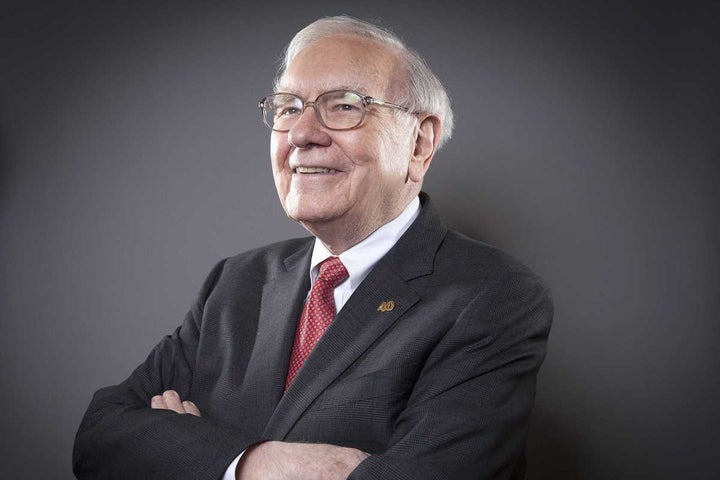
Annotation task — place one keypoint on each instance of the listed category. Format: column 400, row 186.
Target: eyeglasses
column 336, row 110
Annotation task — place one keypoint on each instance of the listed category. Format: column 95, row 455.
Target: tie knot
column 332, row 271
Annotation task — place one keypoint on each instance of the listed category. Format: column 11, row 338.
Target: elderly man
column 384, row 347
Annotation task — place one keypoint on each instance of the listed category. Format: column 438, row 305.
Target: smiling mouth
column 306, row 170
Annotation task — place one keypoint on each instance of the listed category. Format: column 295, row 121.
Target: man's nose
column 308, row 131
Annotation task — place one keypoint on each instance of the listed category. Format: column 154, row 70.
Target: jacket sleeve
column 467, row 415
column 121, row 437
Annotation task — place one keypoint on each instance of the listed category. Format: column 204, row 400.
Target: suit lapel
column 362, row 320
column 352, row 332
column 282, row 300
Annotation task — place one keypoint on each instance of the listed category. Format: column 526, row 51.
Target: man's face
column 362, row 181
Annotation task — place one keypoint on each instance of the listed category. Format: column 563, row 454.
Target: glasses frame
column 366, row 101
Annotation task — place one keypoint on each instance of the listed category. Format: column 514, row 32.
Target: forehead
column 342, row 62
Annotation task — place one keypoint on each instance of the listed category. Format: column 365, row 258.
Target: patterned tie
column 317, row 315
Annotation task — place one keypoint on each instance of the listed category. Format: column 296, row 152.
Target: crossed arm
column 465, row 418
column 278, row 460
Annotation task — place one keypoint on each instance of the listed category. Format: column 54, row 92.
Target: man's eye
column 344, row 107
column 287, row 111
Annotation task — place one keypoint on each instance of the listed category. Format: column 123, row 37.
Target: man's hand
column 279, row 460
column 170, row 400
column 298, row 461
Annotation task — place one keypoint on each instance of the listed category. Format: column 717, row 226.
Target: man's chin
column 315, row 222
column 310, row 220
column 307, row 211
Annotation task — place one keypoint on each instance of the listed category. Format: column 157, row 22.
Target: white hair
column 424, row 93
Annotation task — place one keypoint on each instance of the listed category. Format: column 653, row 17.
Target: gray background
column 133, row 158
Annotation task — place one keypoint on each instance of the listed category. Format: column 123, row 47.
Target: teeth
column 313, row 170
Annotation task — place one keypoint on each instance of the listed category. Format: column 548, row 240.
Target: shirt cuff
column 230, row 472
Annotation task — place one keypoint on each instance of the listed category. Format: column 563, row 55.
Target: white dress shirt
column 361, row 258
column 358, row 261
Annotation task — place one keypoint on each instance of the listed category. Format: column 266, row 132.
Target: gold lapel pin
column 386, row 306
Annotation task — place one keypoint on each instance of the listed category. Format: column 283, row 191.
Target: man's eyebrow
column 354, row 87
column 325, row 87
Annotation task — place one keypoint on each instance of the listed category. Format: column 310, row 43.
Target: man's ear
column 427, row 136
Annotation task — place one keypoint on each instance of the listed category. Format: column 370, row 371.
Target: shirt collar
column 361, row 258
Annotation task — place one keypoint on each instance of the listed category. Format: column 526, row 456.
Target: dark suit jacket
column 438, row 387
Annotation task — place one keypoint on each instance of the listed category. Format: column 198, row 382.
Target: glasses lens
column 340, row 110
column 281, row 111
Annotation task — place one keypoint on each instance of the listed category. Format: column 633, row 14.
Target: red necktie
column 317, row 315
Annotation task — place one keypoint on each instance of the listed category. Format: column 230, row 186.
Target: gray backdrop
column 133, row 158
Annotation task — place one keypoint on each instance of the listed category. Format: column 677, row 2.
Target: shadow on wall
column 552, row 451
column 4, row 168
column 552, row 448
column 461, row 216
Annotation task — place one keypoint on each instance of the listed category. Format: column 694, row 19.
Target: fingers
column 170, row 400
column 191, row 408
column 158, row 402
column 173, row 402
